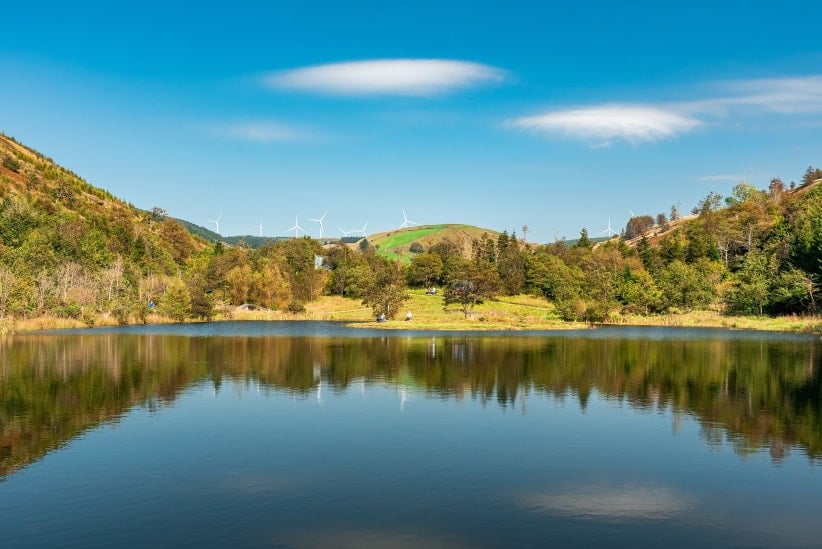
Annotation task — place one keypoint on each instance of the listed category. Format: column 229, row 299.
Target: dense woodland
column 72, row 250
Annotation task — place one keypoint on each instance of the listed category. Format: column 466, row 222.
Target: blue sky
column 498, row 114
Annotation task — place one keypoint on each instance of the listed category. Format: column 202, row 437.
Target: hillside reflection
column 760, row 394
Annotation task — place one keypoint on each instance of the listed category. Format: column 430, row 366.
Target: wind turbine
column 296, row 228
column 346, row 233
column 216, row 223
column 362, row 231
column 406, row 222
column 609, row 230
column 320, row 221
column 261, row 228
column 631, row 212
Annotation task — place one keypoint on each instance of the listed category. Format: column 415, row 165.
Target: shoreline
column 514, row 313
column 696, row 319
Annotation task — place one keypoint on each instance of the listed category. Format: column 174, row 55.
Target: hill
column 249, row 241
column 397, row 243
column 67, row 246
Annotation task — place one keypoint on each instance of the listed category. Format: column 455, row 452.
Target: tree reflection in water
column 757, row 393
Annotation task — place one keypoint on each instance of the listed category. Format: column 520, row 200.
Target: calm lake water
column 315, row 435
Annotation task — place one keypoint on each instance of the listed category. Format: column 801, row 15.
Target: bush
column 88, row 317
column 69, row 310
column 416, row 248
column 11, row 163
column 296, row 307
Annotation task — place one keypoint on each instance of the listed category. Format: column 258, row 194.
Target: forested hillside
column 71, row 249
column 68, row 249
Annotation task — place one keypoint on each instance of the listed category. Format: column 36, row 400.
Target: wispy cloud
column 778, row 95
column 632, row 123
column 414, row 77
column 264, row 132
column 638, row 122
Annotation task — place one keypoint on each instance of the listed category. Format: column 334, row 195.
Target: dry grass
column 713, row 319
column 521, row 312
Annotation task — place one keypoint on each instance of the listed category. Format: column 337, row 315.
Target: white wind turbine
column 261, row 228
column 216, row 223
column 406, row 222
column 609, row 230
column 631, row 212
column 320, row 221
column 343, row 232
column 362, row 231
column 296, row 228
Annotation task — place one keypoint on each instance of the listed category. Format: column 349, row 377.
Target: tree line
column 71, row 250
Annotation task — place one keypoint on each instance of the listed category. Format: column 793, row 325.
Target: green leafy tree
column 750, row 290
column 176, row 302
column 794, row 291
column 684, row 287
column 350, row 271
column 510, row 264
column 298, row 263
column 425, row 269
column 269, row 286
column 804, row 225
column 452, row 255
column 475, row 282
column 637, row 292
column 387, row 291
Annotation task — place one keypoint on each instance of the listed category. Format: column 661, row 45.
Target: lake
column 312, row 434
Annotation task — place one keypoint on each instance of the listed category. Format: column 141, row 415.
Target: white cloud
column 632, row 123
column 416, row 77
column 787, row 97
column 263, row 132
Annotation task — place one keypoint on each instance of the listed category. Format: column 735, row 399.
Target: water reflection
column 751, row 393
column 632, row 502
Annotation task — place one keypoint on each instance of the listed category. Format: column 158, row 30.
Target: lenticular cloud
column 387, row 77
column 632, row 123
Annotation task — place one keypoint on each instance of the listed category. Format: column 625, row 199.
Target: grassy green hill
column 397, row 243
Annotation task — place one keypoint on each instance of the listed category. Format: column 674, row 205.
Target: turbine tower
column 296, row 228
column 320, row 221
column 261, row 228
column 406, row 222
column 216, row 223
column 609, row 230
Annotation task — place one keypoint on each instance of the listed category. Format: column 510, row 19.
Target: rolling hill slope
column 397, row 243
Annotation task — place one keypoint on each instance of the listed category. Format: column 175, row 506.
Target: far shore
column 508, row 313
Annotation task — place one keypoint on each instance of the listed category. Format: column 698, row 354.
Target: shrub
column 69, row 310
column 11, row 163
column 296, row 307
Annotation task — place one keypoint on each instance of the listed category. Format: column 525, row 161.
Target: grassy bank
column 506, row 313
